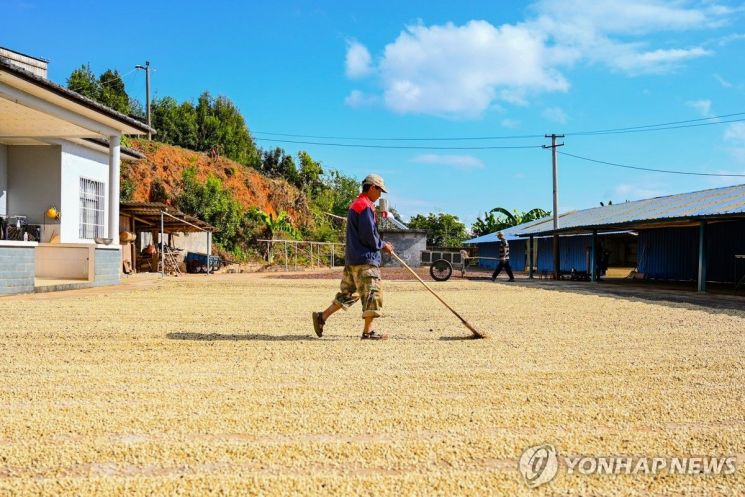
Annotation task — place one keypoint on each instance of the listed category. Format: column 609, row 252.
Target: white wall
column 3, row 180
column 33, row 180
column 80, row 162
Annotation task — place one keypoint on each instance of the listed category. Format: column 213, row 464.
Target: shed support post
column 531, row 256
column 287, row 261
column 162, row 239
column 557, row 258
column 702, row 256
column 209, row 251
column 593, row 256
column 114, row 171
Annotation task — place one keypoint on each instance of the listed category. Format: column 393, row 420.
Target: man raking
column 361, row 279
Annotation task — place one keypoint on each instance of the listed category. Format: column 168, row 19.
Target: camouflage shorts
column 361, row 282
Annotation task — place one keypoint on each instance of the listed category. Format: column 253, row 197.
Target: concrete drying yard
column 217, row 386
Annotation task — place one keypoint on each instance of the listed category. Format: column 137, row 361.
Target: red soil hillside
column 249, row 187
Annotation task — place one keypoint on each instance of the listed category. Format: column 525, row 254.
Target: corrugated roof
column 725, row 202
column 514, row 232
column 510, row 233
column 149, row 212
column 30, row 77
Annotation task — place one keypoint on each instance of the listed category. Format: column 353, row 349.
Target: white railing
column 305, row 253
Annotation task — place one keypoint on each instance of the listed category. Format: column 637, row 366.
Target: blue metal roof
column 727, row 201
column 509, row 233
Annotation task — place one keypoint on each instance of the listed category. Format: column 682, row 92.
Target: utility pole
column 146, row 68
column 553, row 147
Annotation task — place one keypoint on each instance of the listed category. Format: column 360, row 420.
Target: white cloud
column 456, row 161
column 727, row 84
column 357, row 98
column 463, row 70
column 731, row 38
column 359, row 61
column 510, row 123
column 735, row 132
column 703, row 106
column 555, row 114
column 459, row 70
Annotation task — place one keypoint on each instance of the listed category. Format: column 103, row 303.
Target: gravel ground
column 215, row 386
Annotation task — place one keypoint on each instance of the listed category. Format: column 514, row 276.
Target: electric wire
column 688, row 123
column 667, row 171
column 398, row 147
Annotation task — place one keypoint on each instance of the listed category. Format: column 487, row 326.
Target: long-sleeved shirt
column 504, row 250
column 363, row 240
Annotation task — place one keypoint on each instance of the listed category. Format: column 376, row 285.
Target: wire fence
column 294, row 254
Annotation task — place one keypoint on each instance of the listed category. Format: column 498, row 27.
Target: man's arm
column 367, row 232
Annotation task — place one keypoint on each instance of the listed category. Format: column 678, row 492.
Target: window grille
column 92, row 198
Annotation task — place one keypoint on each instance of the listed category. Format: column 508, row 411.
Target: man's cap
column 375, row 180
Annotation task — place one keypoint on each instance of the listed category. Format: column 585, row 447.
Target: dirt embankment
column 166, row 163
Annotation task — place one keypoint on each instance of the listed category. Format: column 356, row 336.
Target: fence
column 294, row 253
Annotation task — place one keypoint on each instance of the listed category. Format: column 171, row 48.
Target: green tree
column 176, row 124
column 344, row 189
column 112, row 93
column 506, row 219
column 443, row 230
column 221, row 128
column 310, row 172
column 83, row 81
column 281, row 223
column 213, row 203
column 277, row 164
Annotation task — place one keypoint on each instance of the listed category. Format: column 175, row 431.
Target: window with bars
column 92, row 197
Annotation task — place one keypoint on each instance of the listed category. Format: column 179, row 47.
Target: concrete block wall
column 17, row 269
column 108, row 266
column 407, row 244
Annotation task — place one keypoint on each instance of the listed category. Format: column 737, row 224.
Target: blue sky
column 424, row 69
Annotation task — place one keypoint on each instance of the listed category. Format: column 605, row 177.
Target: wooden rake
column 476, row 333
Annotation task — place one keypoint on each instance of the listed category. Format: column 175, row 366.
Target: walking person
column 361, row 279
column 504, row 258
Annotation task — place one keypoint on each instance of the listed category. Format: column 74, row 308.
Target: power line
column 689, row 123
column 407, row 147
column 668, row 171
column 641, row 129
column 465, row 138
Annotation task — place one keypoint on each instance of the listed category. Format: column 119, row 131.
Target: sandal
column 373, row 335
column 318, row 323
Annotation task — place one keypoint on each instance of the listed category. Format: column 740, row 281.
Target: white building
column 58, row 150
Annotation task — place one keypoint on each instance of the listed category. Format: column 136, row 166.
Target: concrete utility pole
column 553, row 147
column 146, row 68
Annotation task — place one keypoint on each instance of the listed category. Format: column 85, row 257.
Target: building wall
column 17, row 267
column 518, row 255
column 672, row 253
column 3, row 180
column 408, row 246
column 31, row 64
column 669, row 254
column 108, row 265
column 80, row 162
column 34, row 178
column 725, row 240
column 572, row 253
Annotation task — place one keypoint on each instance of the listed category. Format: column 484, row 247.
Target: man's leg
column 330, row 310
column 508, row 268
column 368, row 283
column 497, row 271
column 345, row 298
